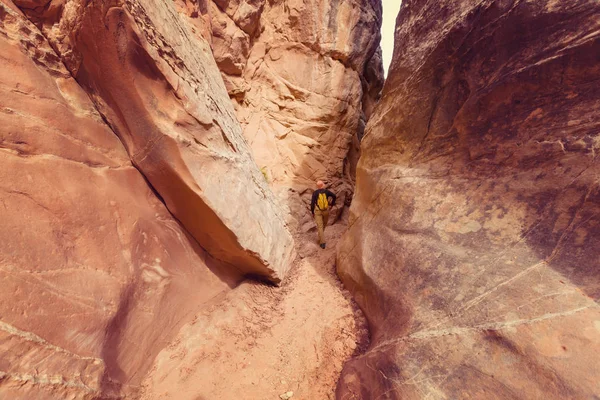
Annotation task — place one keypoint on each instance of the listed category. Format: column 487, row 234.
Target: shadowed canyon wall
column 474, row 236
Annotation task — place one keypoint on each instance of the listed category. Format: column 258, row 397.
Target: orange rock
column 96, row 274
column 157, row 85
column 476, row 218
column 303, row 89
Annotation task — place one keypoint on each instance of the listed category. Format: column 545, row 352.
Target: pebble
column 286, row 395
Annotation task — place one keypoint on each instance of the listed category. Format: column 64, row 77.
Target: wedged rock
column 157, row 85
column 97, row 276
column 245, row 13
column 230, row 44
column 475, row 227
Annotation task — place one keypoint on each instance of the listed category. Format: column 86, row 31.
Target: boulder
column 158, row 87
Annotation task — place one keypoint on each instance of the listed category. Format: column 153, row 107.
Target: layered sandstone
column 475, row 229
column 120, row 189
column 303, row 76
column 157, row 85
column 97, row 276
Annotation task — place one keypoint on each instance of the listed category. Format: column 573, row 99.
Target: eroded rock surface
column 157, row 85
column 97, row 276
column 303, row 76
column 474, row 238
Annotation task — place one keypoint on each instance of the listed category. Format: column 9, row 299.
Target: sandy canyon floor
column 260, row 342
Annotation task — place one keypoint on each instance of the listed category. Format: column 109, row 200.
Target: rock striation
column 96, row 274
column 475, row 228
column 156, row 84
column 129, row 198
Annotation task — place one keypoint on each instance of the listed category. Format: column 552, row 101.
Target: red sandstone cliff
column 474, row 236
column 130, row 199
column 97, row 273
column 157, row 86
column 132, row 138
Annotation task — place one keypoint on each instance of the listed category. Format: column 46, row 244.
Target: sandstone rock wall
column 474, row 234
column 114, row 121
column 157, row 85
column 303, row 76
column 97, row 276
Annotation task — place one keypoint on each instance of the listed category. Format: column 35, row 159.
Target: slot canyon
column 157, row 164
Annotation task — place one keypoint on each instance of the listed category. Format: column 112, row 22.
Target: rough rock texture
column 157, row 85
column 303, row 76
column 475, row 229
column 97, row 276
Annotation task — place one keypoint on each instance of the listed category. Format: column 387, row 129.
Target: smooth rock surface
column 97, row 276
column 156, row 83
column 474, row 236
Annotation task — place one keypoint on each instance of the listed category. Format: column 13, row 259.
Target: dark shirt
column 315, row 196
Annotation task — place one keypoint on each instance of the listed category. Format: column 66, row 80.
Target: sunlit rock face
column 474, row 236
column 303, row 76
column 157, row 85
column 96, row 273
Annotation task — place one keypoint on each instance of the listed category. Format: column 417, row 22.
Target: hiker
column 319, row 206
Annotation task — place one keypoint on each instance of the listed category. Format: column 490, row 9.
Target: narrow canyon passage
column 260, row 342
column 155, row 154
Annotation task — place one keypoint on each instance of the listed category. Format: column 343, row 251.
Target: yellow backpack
column 322, row 202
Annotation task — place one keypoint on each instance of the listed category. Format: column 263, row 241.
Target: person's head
column 320, row 185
